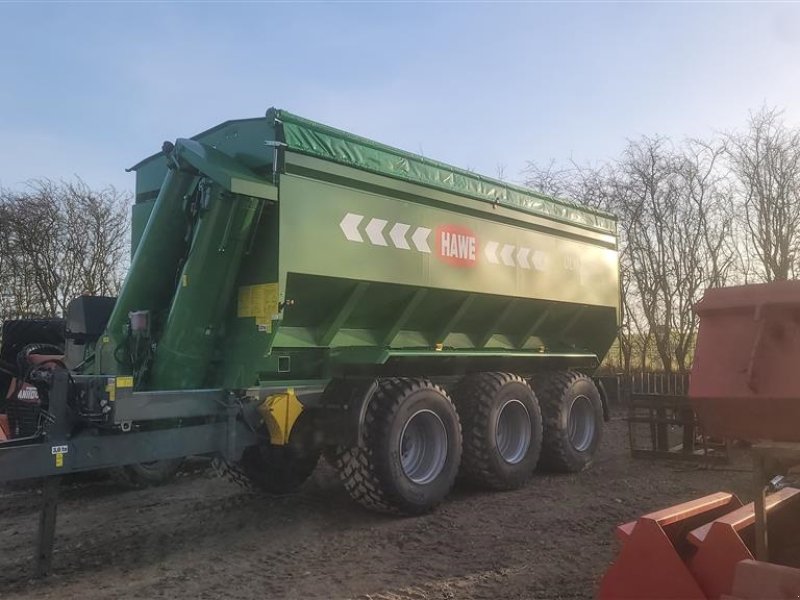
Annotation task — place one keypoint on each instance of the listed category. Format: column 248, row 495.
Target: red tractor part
column 745, row 381
column 23, row 403
column 704, row 549
column 652, row 561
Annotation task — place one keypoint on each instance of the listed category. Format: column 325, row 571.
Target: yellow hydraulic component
column 280, row 412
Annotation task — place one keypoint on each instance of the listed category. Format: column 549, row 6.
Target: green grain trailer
column 297, row 290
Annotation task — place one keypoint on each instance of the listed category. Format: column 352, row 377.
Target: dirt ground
column 202, row 537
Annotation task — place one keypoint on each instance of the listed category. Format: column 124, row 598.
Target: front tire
column 502, row 428
column 269, row 469
column 573, row 420
column 150, row 474
column 410, row 452
column 272, row 469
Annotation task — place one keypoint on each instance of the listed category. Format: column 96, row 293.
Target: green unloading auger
column 183, row 272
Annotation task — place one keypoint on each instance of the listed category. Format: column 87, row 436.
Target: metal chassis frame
column 59, row 452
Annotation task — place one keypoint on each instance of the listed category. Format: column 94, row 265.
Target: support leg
column 759, row 507
column 687, row 421
column 662, row 430
column 47, row 526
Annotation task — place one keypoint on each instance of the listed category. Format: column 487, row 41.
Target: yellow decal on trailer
column 59, row 452
column 125, row 381
column 259, row 301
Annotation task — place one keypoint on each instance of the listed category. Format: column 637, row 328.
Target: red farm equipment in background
column 745, row 384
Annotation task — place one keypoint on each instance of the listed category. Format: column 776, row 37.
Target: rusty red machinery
column 22, row 397
column 745, row 384
column 745, row 381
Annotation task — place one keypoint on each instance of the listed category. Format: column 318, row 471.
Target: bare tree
column 582, row 184
column 550, row 179
column 59, row 240
column 645, row 194
column 765, row 160
column 708, row 188
column 675, row 237
column 597, row 187
column 500, row 171
column 703, row 251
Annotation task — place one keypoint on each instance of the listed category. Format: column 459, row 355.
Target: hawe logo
column 457, row 245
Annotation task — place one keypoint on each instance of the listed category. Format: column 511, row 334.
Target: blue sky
column 89, row 89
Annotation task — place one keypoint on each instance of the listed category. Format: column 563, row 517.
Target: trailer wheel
column 502, row 426
column 147, row 474
column 270, row 469
column 410, row 451
column 573, row 420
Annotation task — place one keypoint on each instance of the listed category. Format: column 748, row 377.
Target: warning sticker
column 126, row 381
column 259, row 301
column 59, row 452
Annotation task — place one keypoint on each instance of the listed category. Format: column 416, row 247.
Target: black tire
column 378, row 473
column 18, row 333
column 560, row 394
column 270, row 469
column 145, row 475
column 491, row 460
column 15, row 334
column 331, row 455
column 276, row 470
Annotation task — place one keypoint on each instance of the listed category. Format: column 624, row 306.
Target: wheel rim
column 581, row 423
column 513, row 432
column 423, row 447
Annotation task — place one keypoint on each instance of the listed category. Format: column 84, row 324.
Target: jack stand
column 47, row 527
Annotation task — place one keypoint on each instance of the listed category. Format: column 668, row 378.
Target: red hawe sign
column 457, row 245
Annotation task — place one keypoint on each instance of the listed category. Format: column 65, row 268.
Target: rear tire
column 573, row 420
column 409, row 456
column 145, row 475
column 502, row 428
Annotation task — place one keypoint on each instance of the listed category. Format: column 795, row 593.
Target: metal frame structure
column 658, row 403
column 221, row 424
column 769, row 459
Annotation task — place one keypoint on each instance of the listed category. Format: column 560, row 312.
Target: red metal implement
column 651, row 563
column 704, row 549
column 745, row 381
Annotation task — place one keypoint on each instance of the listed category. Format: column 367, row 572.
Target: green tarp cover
column 308, row 137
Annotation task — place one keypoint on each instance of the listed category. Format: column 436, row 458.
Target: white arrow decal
column 398, row 235
column 522, row 258
column 375, row 232
column 490, row 251
column 349, row 227
column 539, row 260
column 420, row 239
column 506, row 255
